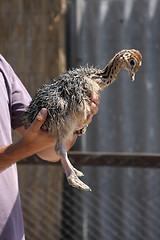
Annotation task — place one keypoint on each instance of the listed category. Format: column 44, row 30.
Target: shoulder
column 3, row 60
column 10, row 77
column 5, row 67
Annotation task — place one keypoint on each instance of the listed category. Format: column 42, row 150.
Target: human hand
column 34, row 137
column 94, row 108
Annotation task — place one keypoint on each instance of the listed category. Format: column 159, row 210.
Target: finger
column 95, row 98
column 40, row 119
column 94, row 108
column 88, row 121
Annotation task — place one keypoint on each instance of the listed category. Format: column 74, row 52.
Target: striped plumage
column 67, row 100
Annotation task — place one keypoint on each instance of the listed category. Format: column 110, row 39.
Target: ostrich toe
column 78, row 173
column 74, row 181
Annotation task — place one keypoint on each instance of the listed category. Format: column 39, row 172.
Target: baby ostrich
column 67, row 100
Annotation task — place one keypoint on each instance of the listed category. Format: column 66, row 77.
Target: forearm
column 13, row 153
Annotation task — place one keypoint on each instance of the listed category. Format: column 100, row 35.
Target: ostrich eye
column 132, row 63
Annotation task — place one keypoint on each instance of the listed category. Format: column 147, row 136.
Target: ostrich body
column 67, row 100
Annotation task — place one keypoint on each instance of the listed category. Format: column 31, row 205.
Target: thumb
column 40, row 119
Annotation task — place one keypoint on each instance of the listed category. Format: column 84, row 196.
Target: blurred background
column 41, row 39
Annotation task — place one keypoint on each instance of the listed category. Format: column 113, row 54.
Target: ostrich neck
column 109, row 73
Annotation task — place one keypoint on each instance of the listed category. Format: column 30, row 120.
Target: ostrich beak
column 132, row 72
column 132, row 75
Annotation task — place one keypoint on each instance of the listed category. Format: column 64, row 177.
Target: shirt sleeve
column 20, row 100
column 18, row 97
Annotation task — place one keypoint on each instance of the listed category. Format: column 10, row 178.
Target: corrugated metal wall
column 126, row 200
column 129, row 112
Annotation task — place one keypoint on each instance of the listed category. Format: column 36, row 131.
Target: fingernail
column 43, row 112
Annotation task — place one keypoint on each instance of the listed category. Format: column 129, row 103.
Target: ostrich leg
column 71, row 173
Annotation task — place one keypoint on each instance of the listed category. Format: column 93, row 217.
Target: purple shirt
column 13, row 100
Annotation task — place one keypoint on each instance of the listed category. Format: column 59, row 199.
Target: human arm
column 35, row 140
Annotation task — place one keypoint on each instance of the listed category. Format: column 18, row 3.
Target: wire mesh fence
column 124, row 203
